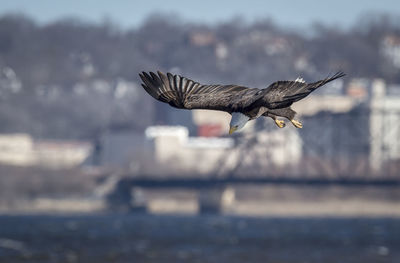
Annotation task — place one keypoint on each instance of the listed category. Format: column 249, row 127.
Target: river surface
column 205, row 238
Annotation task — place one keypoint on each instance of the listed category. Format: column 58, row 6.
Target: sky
column 131, row 13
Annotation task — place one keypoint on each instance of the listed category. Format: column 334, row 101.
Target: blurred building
column 390, row 47
column 202, row 38
column 175, row 149
column 384, row 126
column 211, row 123
column 16, row 149
column 329, row 103
column 362, row 125
column 124, row 149
column 60, row 153
column 22, row 150
column 9, row 81
column 170, row 150
column 358, row 89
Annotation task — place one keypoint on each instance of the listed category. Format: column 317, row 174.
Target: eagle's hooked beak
column 232, row 129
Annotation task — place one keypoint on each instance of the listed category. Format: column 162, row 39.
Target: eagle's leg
column 296, row 123
column 287, row 113
column 279, row 123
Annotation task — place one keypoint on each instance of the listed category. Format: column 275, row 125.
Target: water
column 152, row 238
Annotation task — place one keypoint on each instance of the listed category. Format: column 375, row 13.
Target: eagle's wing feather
column 282, row 94
column 185, row 93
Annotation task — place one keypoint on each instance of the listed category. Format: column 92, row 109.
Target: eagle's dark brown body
column 273, row 101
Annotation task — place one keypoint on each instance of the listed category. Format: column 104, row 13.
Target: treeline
column 72, row 79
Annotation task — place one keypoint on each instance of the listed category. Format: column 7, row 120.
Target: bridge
column 214, row 193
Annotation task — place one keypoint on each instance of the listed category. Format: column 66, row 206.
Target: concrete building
column 59, row 153
column 170, row 150
column 390, row 47
column 369, row 121
column 177, row 152
column 22, row 150
column 361, row 128
column 384, row 126
column 16, row 149
column 173, row 148
column 125, row 149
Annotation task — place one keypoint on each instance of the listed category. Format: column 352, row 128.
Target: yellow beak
column 232, row 130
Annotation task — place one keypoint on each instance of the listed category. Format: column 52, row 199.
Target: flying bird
column 241, row 102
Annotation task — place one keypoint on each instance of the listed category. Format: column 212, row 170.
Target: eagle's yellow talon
column 280, row 123
column 297, row 124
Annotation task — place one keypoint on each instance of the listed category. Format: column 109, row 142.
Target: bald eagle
column 242, row 103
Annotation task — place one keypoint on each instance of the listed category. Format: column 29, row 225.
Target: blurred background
column 92, row 169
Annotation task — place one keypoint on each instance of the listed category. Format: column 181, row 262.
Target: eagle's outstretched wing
column 184, row 93
column 282, row 94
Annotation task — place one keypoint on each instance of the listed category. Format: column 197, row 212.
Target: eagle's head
column 238, row 121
